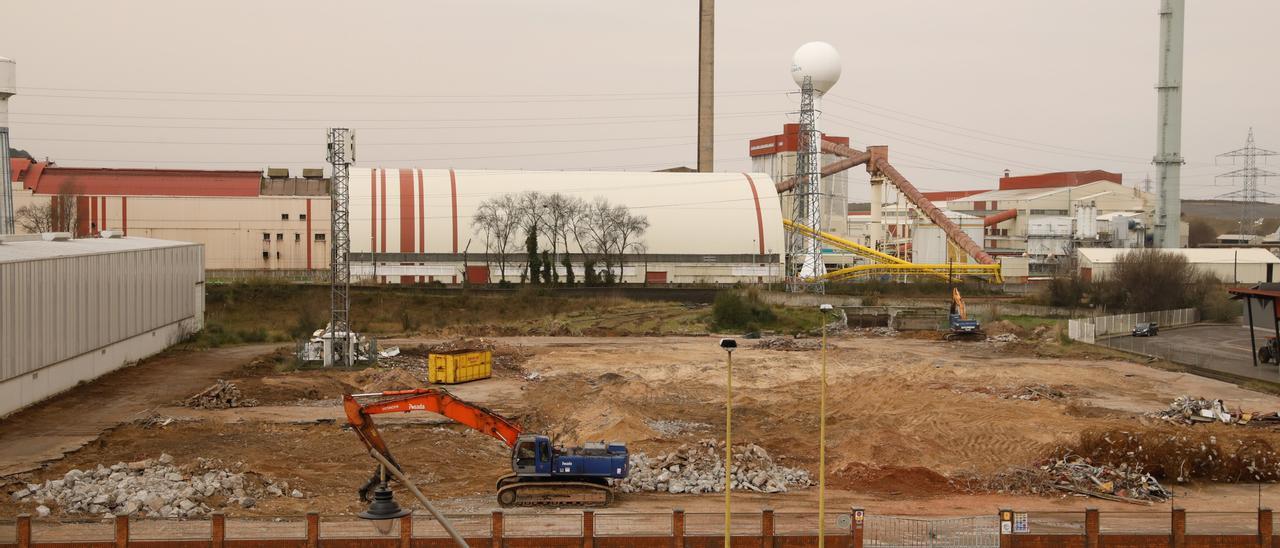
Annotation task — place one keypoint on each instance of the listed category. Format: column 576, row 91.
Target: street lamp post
column 825, row 310
column 728, row 345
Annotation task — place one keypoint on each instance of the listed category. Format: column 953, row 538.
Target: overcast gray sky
column 959, row 90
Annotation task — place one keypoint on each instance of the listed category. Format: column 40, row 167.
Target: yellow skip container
column 459, row 366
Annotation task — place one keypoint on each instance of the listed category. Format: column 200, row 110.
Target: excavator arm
column 435, row 400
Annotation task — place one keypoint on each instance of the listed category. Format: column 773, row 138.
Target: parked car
column 1146, row 329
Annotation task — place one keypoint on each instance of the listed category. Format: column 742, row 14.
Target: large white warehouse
column 411, row 225
column 76, row 309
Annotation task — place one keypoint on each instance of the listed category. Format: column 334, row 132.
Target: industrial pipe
column 1001, row 217
column 935, row 214
column 851, row 158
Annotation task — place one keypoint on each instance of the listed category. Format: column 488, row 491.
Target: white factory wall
column 1230, row 265
column 693, row 214
column 77, row 309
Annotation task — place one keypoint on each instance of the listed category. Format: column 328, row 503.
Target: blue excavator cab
column 535, row 456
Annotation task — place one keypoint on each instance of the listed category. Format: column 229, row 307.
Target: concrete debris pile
column 155, row 488
column 875, row 331
column 221, row 395
column 1189, row 410
column 676, row 427
column 1032, row 392
column 1003, row 338
column 1123, row 483
column 699, row 468
column 788, row 344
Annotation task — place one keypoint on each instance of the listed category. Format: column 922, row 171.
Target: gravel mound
column 699, row 468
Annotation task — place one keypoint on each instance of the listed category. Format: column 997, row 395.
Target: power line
column 365, row 101
column 400, row 96
column 362, row 143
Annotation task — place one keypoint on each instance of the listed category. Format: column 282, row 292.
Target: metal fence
column 903, row 532
column 1089, row 330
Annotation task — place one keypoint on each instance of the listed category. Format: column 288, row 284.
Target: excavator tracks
column 513, row 492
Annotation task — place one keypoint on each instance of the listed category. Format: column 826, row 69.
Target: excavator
column 542, row 474
column 962, row 328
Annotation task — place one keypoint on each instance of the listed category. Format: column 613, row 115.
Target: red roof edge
column 1059, row 179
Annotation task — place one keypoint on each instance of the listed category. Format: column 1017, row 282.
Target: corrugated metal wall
column 58, row 308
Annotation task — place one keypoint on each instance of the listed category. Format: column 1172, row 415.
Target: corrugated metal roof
column 1218, row 255
column 1016, row 194
column 20, row 251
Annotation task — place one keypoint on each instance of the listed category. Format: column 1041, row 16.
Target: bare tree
column 499, row 218
column 630, row 229
column 57, row 215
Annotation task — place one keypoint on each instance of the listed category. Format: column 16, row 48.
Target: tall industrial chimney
column 1168, row 157
column 706, row 84
column 8, row 87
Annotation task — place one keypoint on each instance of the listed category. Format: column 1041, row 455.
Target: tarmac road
column 1211, row 346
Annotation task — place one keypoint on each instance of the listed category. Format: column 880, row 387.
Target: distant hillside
column 1226, row 210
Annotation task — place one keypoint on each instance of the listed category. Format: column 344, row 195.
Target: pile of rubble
column 153, row 487
column 1123, row 483
column 221, row 395
column 875, row 331
column 699, row 468
column 676, row 427
column 1189, row 410
column 1033, row 392
column 1003, row 338
column 788, row 344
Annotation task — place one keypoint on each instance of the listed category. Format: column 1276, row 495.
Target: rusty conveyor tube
column 935, row 214
column 1001, row 217
column 851, row 158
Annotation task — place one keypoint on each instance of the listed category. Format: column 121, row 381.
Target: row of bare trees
column 550, row 226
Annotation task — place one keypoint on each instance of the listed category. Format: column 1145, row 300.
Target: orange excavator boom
column 435, row 400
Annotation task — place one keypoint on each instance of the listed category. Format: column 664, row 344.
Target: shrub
column 732, row 310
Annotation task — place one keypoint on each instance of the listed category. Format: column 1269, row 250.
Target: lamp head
column 728, row 344
column 384, row 510
column 825, row 307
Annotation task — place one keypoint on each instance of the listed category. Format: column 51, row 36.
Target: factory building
column 75, row 309
column 1042, row 217
column 415, row 225
column 244, row 220
column 1246, row 265
column 776, row 155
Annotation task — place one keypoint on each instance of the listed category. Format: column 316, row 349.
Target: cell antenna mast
column 1249, row 174
column 342, row 152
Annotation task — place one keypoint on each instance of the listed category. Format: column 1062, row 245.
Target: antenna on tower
column 1248, row 194
column 815, row 68
column 341, row 343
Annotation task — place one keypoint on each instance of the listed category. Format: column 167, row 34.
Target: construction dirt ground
column 915, row 425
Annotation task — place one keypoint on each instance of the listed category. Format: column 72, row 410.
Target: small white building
column 1244, row 265
column 72, row 310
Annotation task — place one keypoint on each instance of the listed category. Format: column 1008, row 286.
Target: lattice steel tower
column 339, row 340
column 804, row 254
column 1249, row 175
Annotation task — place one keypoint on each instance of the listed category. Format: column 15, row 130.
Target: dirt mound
column 914, row 481
column 1003, row 327
column 220, row 395
column 789, row 344
column 1211, row 453
column 378, row 380
column 297, row 386
column 505, row 357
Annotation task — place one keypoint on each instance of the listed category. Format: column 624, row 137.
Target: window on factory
column 284, row 216
column 266, row 236
column 319, row 237
column 279, row 236
column 302, row 216
column 277, row 254
column 266, row 255
column 297, row 237
column 1048, row 212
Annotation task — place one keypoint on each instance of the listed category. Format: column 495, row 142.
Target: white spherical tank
column 820, row 62
column 8, row 77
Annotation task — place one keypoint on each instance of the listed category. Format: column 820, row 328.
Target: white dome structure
column 818, row 60
column 712, row 227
